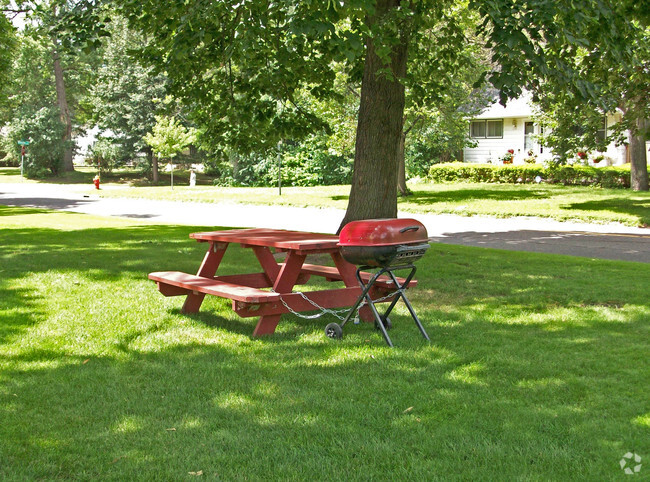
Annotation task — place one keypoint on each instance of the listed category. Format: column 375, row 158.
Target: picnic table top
column 275, row 238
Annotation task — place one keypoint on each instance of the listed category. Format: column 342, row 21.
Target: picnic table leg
column 266, row 325
column 208, row 269
column 268, row 263
column 284, row 283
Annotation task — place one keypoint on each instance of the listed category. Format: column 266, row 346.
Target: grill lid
column 382, row 232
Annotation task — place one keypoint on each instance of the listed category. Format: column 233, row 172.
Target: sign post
column 22, row 145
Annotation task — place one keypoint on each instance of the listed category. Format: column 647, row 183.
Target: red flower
column 582, row 154
column 511, row 151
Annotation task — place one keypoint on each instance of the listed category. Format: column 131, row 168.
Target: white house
column 499, row 129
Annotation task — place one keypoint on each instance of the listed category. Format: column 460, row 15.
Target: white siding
column 491, row 150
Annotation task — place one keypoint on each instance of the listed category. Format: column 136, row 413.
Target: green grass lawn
column 537, row 370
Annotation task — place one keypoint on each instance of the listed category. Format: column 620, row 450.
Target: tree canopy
column 244, row 63
column 251, row 74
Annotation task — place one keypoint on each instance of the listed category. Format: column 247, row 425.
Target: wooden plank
column 266, row 325
column 268, row 263
column 289, row 273
column 213, row 287
column 171, row 290
column 253, row 280
column 208, row 268
column 277, row 238
column 212, row 259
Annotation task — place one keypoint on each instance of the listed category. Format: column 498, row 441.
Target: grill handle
column 409, row 228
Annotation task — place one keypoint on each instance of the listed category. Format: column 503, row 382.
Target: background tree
column 169, row 138
column 126, row 96
column 32, row 107
column 7, row 51
column 246, row 62
column 45, row 152
column 57, row 71
column 440, row 97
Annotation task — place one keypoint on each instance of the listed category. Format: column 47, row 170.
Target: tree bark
column 62, row 102
column 402, row 188
column 154, row 169
column 638, row 158
column 373, row 193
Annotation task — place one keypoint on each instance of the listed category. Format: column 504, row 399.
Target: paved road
column 519, row 234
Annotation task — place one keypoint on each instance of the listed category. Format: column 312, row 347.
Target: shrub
column 44, row 155
column 308, row 163
column 609, row 177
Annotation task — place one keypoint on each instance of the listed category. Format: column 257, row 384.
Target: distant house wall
column 515, row 117
column 491, row 150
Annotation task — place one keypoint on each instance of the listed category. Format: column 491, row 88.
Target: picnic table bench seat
column 189, row 283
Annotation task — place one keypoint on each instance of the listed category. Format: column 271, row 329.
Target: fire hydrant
column 96, row 181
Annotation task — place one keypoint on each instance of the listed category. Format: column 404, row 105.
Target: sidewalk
column 611, row 241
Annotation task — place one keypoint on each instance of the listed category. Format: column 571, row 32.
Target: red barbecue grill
column 386, row 245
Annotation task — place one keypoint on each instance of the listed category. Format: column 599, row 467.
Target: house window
column 529, row 130
column 477, row 129
column 495, row 128
column 491, row 129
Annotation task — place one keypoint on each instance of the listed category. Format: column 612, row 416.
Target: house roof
column 519, row 107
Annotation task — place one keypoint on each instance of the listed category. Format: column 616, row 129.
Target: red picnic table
column 245, row 290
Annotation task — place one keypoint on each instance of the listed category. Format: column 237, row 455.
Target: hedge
column 525, row 174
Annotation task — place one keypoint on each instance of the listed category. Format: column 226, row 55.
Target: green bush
column 44, row 156
column 308, row 163
column 611, row 177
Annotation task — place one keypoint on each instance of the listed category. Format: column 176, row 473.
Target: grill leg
column 380, row 323
column 407, row 302
column 365, row 294
column 365, row 289
column 398, row 286
column 373, row 308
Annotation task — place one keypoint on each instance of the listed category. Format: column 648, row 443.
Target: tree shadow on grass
column 20, row 309
column 10, row 171
column 20, row 211
column 461, row 195
column 639, row 208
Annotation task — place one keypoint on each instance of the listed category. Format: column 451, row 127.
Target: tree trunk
column 402, row 188
column 62, row 102
column 373, row 193
column 638, row 158
column 154, row 169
